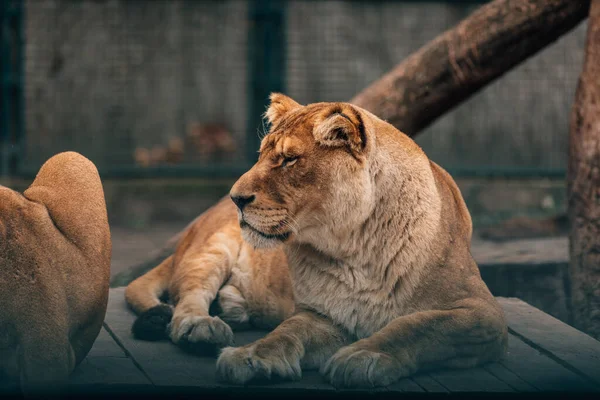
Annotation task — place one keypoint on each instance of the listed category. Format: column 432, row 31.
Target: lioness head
column 312, row 172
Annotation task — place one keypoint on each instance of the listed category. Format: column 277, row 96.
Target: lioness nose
column 241, row 201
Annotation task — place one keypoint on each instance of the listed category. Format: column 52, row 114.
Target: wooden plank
column 407, row 385
column 311, row 381
column 576, row 349
column 429, row 384
column 509, row 377
column 107, row 364
column 541, row 371
column 108, row 371
column 105, row 346
column 470, row 380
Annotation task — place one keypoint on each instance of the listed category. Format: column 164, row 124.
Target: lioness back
column 214, row 282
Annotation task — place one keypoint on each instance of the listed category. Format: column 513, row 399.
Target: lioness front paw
column 352, row 367
column 240, row 365
column 201, row 330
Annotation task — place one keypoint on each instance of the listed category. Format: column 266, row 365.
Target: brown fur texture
column 378, row 242
column 55, row 252
column 215, row 281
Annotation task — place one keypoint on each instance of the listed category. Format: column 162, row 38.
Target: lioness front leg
column 305, row 340
column 196, row 281
column 468, row 335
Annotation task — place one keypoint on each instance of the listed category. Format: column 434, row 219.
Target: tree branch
column 584, row 187
column 459, row 62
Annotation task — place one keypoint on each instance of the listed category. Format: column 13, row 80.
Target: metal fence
column 177, row 87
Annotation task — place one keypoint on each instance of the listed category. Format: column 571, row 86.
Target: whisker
column 289, row 226
column 317, row 219
column 295, row 226
column 262, row 131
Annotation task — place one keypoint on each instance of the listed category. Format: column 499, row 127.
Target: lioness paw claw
column 353, row 367
column 202, row 329
column 240, row 365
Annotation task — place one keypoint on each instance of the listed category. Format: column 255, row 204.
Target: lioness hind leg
column 257, row 307
column 270, row 310
column 232, row 308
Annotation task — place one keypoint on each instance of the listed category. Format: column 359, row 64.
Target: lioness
column 377, row 238
column 55, row 251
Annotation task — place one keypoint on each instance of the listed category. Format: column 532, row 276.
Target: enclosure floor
column 544, row 355
column 130, row 246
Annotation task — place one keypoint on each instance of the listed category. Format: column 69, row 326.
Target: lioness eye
column 288, row 161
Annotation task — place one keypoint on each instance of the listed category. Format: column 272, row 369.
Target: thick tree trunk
column 584, row 187
column 461, row 61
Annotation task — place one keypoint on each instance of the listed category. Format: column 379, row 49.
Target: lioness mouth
column 281, row 236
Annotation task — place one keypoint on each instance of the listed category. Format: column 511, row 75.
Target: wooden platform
column 545, row 355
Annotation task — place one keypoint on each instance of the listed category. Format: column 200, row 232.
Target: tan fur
column 211, row 261
column 55, row 254
column 378, row 242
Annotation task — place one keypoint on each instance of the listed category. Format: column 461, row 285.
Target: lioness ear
column 341, row 129
column 280, row 105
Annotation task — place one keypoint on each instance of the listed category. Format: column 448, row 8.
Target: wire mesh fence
column 144, row 83
column 516, row 125
column 178, row 86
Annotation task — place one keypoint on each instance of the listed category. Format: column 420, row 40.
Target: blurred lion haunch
column 55, row 251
